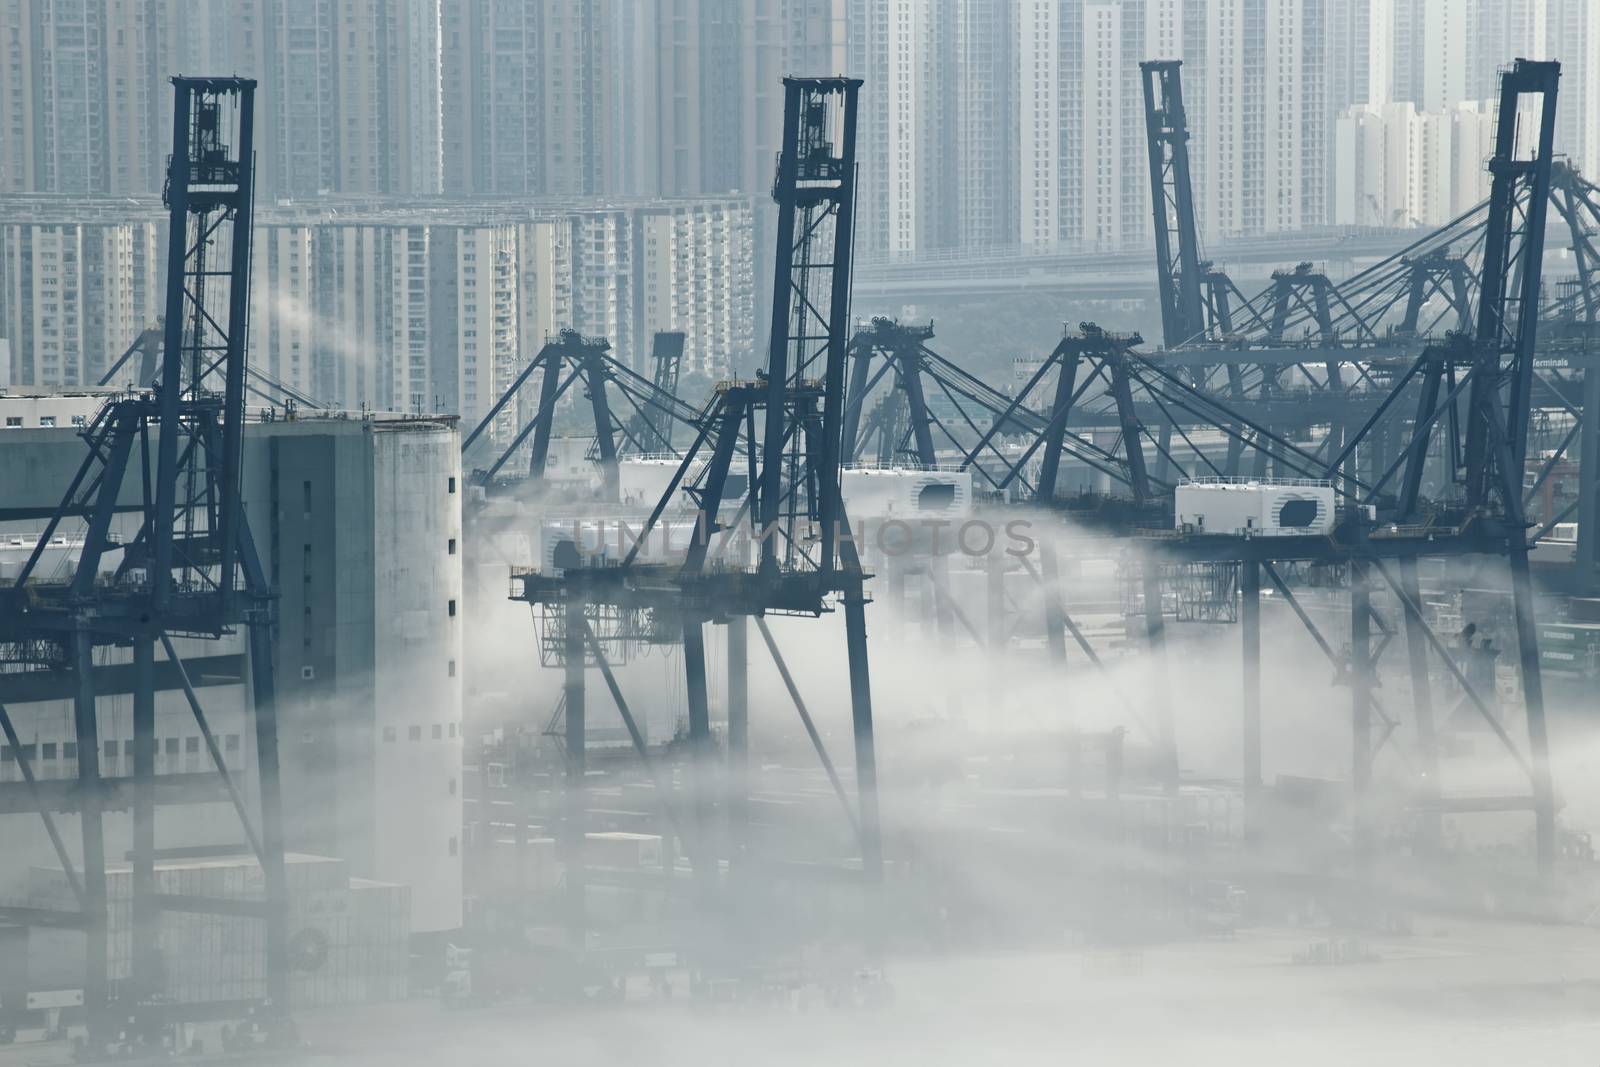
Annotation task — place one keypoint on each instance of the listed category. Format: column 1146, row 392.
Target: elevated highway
column 1126, row 273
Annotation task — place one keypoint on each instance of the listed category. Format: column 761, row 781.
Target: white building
column 359, row 526
column 1294, row 125
column 1106, row 182
column 986, row 169
column 1450, row 72
column 1040, row 130
column 694, row 271
column 1574, row 28
column 282, row 333
column 1255, row 91
column 42, row 409
column 1401, row 168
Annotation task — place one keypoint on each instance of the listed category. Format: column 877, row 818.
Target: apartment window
column 452, row 609
column 415, row 733
column 15, row 421
column 50, row 750
column 47, row 420
column 452, row 480
column 305, row 490
column 452, row 546
column 452, row 670
column 191, row 745
column 69, row 750
column 230, row 743
column 110, row 749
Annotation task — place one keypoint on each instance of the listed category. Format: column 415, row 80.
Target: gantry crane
column 172, row 452
column 785, row 430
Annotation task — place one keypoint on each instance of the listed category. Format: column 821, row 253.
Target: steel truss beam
column 571, row 358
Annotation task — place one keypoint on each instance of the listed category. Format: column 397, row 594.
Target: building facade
column 1401, row 167
column 350, row 96
column 80, row 92
column 1255, row 89
column 984, row 123
column 382, row 305
column 76, row 286
column 359, row 525
column 624, row 97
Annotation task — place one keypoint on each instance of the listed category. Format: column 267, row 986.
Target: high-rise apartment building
column 694, row 271
column 80, row 103
column 943, row 124
column 349, row 98
column 1401, row 167
column 1574, row 34
column 77, row 284
column 19, row 149
column 624, row 97
column 1255, row 87
column 493, row 94
column 393, row 306
column 1350, row 27
column 986, row 169
column 282, row 338
column 1413, row 153
column 383, row 309
column 1226, row 123
column 1111, row 169
column 1041, row 133
column 1447, row 54
column 1295, row 121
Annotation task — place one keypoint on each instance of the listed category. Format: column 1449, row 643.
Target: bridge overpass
column 1128, row 273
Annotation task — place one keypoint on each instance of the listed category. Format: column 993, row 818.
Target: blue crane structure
column 169, row 454
column 570, row 358
column 784, row 432
column 1408, row 387
column 1463, row 397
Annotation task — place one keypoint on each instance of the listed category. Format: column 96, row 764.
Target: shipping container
column 622, row 850
column 1569, row 635
column 1569, row 661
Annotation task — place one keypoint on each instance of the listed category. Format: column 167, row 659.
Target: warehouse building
column 357, row 520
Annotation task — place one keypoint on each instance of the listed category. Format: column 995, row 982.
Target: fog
column 1018, row 924
column 1189, row 1005
column 1061, row 802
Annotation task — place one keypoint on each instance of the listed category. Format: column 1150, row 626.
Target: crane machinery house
column 906, row 493
column 1255, row 507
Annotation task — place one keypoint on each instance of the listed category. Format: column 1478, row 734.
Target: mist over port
column 943, row 531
